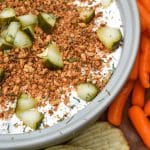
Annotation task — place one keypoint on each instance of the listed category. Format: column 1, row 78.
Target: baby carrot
column 148, row 47
column 143, row 25
column 134, row 73
column 144, row 14
column 147, row 108
column 138, row 94
column 144, row 71
column 145, row 4
column 115, row 110
column 141, row 123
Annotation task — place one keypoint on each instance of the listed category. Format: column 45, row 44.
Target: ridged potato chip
column 101, row 136
column 67, row 147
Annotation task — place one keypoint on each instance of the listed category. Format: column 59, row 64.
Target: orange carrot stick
column 143, row 25
column 115, row 110
column 145, row 4
column 134, row 73
column 138, row 94
column 147, row 108
column 141, row 123
column 144, row 71
column 148, row 47
column 144, row 14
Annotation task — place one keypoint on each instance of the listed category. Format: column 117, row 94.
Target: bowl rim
column 66, row 129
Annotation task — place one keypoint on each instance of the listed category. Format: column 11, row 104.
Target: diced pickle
column 47, row 21
column 12, row 31
column 22, row 40
column 87, row 91
column 105, row 3
column 5, row 45
column 4, row 33
column 24, row 103
column 7, row 15
column 87, row 14
column 27, row 20
column 110, row 37
column 2, row 72
column 52, row 57
column 29, row 30
column 26, row 111
column 32, row 118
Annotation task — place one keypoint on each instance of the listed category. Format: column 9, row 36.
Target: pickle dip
column 55, row 57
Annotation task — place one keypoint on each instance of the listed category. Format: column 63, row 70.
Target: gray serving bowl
column 67, row 129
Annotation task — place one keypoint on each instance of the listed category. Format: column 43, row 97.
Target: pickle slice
column 32, row 118
column 24, row 103
column 87, row 14
column 87, row 91
column 4, row 45
column 47, row 21
column 110, row 37
column 27, row 20
column 29, row 30
column 22, row 40
column 52, row 57
column 12, row 31
column 106, row 3
column 7, row 15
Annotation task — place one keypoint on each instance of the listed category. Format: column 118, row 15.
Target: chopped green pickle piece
column 110, row 37
column 47, row 21
column 22, row 40
column 2, row 72
column 105, row 3
column 12, row 31
column 25, row 111
column 24, row 103
column 29, row 30
column 31, row 118
column 4, row 45
column 87, row 14
column 52, row 57
column 27, row 20
column 4, row 34
column 7, row 15
column 87, row 91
